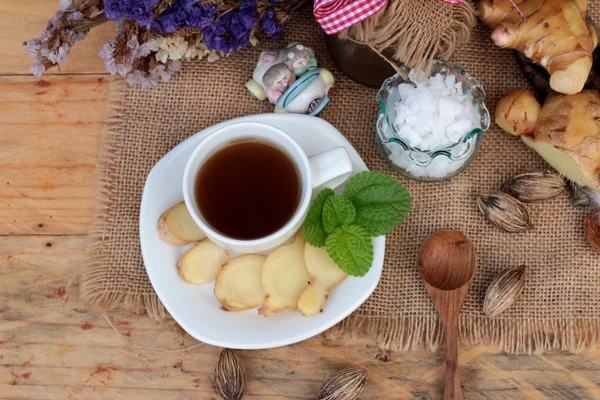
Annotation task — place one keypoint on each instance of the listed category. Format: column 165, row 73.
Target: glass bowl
column 437, row 164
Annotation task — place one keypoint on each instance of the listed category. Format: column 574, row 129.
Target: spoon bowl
column 447, row 260
column 447, row 264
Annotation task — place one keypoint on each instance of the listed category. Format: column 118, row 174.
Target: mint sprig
column 381, row 202
column 351, row 248
column 373, row 204
column 313, row 229
column 337, row 211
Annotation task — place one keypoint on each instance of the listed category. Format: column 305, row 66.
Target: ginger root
column 202, row 263
column 176, row 226
column 238, row 285
column 517, row 112
column 284, row 277
column 324, row 276
column 322, row 268
column 312, row 299
column 555, row 36
column 566, row 133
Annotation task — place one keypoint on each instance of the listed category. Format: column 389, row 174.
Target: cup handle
column 331, row 168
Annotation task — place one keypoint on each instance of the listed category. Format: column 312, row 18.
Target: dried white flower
column 179, row 48
column 171, row 48
column 213, row 56
column 196, row 50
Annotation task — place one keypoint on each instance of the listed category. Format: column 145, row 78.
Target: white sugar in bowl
column 431, row 129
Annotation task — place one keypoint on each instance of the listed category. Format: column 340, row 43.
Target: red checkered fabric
column 336, row 15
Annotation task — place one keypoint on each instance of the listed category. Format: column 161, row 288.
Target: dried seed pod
column 345, row 385
column 230, row 377
column 504, row 291
column 582, row 196
column 505, row 212
column 592, row 229
column 535, row 186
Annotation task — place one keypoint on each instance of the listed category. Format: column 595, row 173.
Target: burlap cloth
column 560, row 306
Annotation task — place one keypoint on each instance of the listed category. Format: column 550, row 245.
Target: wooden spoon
column 447, row 264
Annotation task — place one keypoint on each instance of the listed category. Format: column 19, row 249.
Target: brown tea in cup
column 248, row 190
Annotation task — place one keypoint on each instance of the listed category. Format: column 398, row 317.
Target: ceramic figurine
column 300, row 58
column 289, row 78
column 276, row 80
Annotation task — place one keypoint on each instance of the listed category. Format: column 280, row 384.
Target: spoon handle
column 452, row 390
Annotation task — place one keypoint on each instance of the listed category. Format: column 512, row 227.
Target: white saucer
column 194, row 307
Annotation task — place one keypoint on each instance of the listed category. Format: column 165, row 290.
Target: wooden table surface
column 52, row 346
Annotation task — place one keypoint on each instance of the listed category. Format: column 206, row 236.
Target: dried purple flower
column 270, row 26
column 185, row 14
column 232, row 31
column 138, row 50
column 248, row 15
column 139, row 11
column 187, row 29
column 135, row 61
column 33, row 47
column 106, row 53
column 150, row 78
column 37, row 68
column 53, row 45
column 75, row 16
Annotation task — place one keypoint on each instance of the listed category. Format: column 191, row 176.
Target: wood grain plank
column 21, row 20
column 79, row 392
column 50, row 133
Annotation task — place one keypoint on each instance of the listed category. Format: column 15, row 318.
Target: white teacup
column 328, row 169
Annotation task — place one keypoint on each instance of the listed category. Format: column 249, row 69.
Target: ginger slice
column 176, row 226
column 321, row 267
column 202, row 263
column 312, row 299
column 284, row 277
column 239, row 283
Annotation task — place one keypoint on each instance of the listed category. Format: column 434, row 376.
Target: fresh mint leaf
column 381, row 202
column 337, row 211
column 312, row 229
column 351, row 248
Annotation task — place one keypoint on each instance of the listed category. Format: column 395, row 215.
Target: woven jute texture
column 560, row 306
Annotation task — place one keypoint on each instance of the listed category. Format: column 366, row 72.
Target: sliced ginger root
column 555, row 36
column 238, row 285
column 321, row 267
column 176, row 226
column 202, row 263
column 312, row 299
column 325, row 275
column 284, row 277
